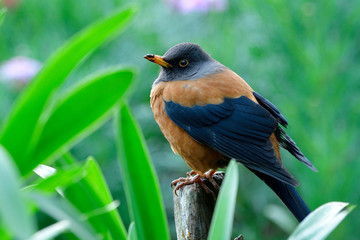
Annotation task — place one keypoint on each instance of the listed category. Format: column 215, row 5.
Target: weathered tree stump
column 193, row 209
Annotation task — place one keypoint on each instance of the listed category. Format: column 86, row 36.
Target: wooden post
column 193, row 209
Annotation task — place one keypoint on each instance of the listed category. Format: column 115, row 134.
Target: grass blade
column 13, row 210
column 27, row 117
column 132, row 232
column 44, row 171
column 62, row 178
column 81, row 111
column 141, row 184
column 322, row 221
column 222, row 220
column 281, row 217
column 91, row 193
column 61, row 210
column 51, row 231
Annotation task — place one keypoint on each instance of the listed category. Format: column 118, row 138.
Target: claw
column 182, row 179
column 173, row 183
column 193, row 177
column 209, row 175
column 189, row 174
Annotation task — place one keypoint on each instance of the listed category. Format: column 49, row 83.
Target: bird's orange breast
column 211, row 89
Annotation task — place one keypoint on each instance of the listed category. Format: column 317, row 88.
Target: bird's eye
column 183, row 63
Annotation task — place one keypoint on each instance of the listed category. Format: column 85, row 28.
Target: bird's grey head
column 184, row 61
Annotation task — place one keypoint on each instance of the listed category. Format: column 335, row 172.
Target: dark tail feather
column 288, row 195
column 286, row 142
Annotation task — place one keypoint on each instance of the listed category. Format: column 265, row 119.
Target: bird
column 210, row 115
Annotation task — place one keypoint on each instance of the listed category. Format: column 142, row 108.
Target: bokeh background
column 304, row 56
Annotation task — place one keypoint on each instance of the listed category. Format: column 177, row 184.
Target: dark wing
column 284, row 140
column 271, row 108
column 238, row 128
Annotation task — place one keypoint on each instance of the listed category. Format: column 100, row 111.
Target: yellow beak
column 158, row 60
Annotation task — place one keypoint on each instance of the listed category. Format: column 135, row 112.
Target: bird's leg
column 190, row 180
column 193, row 177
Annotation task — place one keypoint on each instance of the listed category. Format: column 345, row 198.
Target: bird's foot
column 209, row 175
column 193, row 177
column 191, row 173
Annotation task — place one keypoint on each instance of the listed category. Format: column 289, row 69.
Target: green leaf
column 80, row 111
column 132, row 232
column 44, row 171
column 13, row 210
column 52, row 231
column 62, row 178
column 140, row 182
column 24, row 126
column 61, row 210
column 281, row 217
column 222, row 220
column 322, row 221
column 100, row 211
column 92, row 193
column 2, row 15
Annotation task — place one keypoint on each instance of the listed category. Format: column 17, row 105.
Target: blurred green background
column 302, row 55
